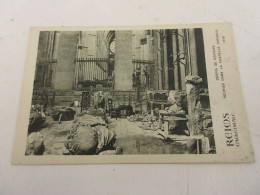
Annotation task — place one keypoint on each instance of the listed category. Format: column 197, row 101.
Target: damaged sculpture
column 90, row 135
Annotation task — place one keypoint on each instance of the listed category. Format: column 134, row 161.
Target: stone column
column 55, row 54
column 123, row 60
column 175, row 65
column 153, row 57
column 181, row 65
column 66, row 54
column 56, row 44
column 165, row 62
column 193, row 54
column 159, row 61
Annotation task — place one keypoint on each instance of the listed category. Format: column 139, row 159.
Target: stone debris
column 37, row 118
column 145, row 125
column 175, row 109
column 135, row 118
column 193, row 79
column 150, row 125
column 89, row 135
column 155, row 126
column 148, row 121
column 35, row 144
column 148, row 118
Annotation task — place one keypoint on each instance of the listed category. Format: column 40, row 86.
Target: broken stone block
column 175, row 109
column 193, row 79
column 35, row 144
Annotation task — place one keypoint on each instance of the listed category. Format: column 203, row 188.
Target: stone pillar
column 181, row 65
column 66, row 54
column 193, row 54
column 170, row 59
column 175, row 65
column 165, row 62
column 153, row 57
column 159, row 61
column 123, row 60
column 55, row 54
column 56, row 44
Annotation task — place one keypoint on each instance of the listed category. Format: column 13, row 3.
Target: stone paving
column 131, row 138
column 134, row 140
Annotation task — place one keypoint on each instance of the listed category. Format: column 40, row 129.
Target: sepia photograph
column 120, row 92
column 129, row 97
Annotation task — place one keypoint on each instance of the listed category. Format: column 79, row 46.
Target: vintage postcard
column 146, row 94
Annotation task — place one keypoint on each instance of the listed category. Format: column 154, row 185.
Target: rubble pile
column 35, row 144
column 90, row 135
column 151, row 125
column 193, row 79
column 148, row 118
column 148, row 122
column 135, row 118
